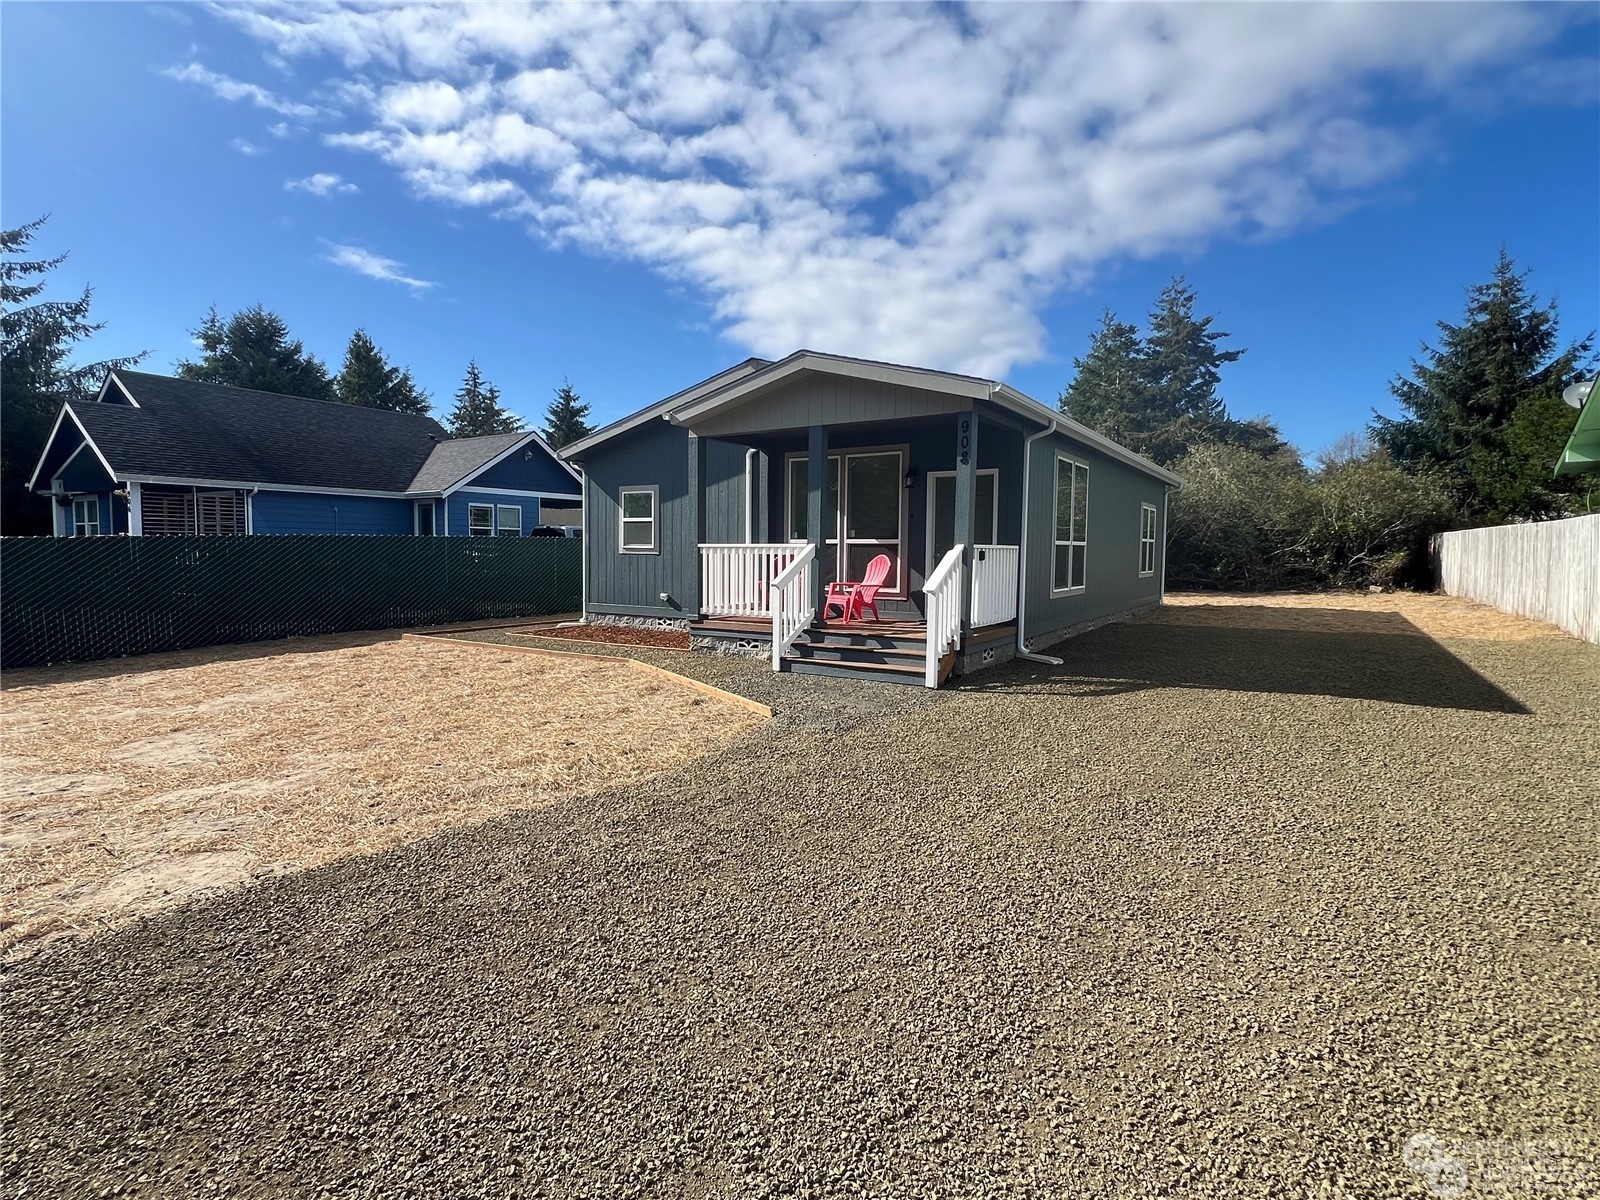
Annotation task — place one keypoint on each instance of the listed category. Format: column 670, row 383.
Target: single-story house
column 727, row 509
column 153, row 455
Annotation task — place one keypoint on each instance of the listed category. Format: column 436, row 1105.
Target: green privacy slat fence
column 75, row 599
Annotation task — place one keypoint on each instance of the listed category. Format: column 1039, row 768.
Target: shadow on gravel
column 1372, row 656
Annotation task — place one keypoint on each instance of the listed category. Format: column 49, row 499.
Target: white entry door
column 942, row 513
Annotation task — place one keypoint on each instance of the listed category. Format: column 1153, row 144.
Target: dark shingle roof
column 453, row 461
column 193, row 430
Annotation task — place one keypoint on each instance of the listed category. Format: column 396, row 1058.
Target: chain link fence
column 76, row 599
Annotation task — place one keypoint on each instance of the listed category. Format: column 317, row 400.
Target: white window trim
column 654, row 519
column 507, row 508
column 841, row 544
column 1146, row 541
column 94, row 500
column 416, row 517
column 994, row 532
column 1056, row 543
column 472, row 532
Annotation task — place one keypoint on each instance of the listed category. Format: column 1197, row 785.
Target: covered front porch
column 940, row 502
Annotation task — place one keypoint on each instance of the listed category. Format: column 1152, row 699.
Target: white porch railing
column 793, row 600
column 943, row 610
column 736, row 578
column 994, row 584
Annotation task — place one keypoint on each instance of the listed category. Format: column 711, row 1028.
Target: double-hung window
column 480, row 520
column 639, row 508
column 86, row 516
column 509, row 523
column 1147, row 539
column 1072, row 527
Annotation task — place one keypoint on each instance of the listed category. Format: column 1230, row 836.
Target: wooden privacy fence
column 1549, row 570
column 74, row 599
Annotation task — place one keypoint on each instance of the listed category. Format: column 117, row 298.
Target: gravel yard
column 134, row 785
column 1250, row 898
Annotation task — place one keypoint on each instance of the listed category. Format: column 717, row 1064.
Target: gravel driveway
column 1236, row 907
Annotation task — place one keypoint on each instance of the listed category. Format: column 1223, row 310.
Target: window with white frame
column 480, row 520
column 639, row 507
column 86, row 516
column 1072, row 527
column 508, row 520
column 1147, row 539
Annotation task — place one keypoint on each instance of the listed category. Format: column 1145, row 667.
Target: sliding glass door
column 864, row 511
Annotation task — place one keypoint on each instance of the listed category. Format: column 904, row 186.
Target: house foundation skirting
column 1045, row 640
column 730, row 647
column 678, row 624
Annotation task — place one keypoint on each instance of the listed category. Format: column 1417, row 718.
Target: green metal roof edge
column 1583, row 447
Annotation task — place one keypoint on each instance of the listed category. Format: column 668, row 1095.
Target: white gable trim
column 66, row 411
column 531, row 436
column 111, row 377
column 660, row 408
column 807, row 360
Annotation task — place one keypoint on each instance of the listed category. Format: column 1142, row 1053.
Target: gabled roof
column 151, row 427
column 729, row 389
column 575, row 451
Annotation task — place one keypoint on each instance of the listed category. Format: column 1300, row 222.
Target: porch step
column 891, row 664
column 828, row 650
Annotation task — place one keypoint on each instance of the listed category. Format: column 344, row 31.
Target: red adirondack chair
column 851, row 598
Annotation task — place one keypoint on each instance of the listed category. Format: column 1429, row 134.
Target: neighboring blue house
column 153, row 455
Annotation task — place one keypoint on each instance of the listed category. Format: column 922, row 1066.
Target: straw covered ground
column 129, row 787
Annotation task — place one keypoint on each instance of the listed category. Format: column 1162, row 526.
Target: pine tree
column 1183, row 362
column 1108, row 392
column 478, row 410
column 565, row 420
column 252, row 349
column 1482, row 410
column 367, row 379
column 36, row 337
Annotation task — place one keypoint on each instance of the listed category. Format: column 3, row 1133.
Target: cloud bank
column 898, row 182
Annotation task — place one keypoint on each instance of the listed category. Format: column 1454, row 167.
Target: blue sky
column 637, row 197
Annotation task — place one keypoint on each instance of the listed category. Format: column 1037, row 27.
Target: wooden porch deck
column 761, row 627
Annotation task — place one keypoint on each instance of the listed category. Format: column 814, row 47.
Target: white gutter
column 1022, row 550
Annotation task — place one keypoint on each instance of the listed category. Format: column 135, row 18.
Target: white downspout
column 1022, row 550
column 750, row 496
column 583, row 557
column 1166, row 496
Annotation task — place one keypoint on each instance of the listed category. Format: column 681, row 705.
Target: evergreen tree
column 565, row 420
column 252, row 349
column 36, row 338
column 1483, row 410
column 1157, row 395
column 478, row 410
column 368, row 379
column 1183, row 362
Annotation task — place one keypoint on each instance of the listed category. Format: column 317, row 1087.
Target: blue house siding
column 536, row 474
column 315, row 512
column 457, row 503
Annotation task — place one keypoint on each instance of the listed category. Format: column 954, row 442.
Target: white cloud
column 279, row 130
column 249, row 149
column 228, row 88
column 321, row 184
column 373, row 266
column 909, row 183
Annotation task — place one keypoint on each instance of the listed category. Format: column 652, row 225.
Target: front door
column 942, row 513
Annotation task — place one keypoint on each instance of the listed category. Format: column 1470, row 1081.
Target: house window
column 1147, row 539
column 1072, row 527
column 510, row 520
column 424, row 518
column 480, row 520
column 639, row 507
column 86, row 516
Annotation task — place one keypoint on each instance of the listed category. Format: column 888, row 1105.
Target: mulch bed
column 617, row 635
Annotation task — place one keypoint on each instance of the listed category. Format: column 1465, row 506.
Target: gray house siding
column 808, row 400
column 657, row 454
column 1112, row 583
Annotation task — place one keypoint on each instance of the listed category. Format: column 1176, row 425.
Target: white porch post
column 135, row 510
column 816, row 499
